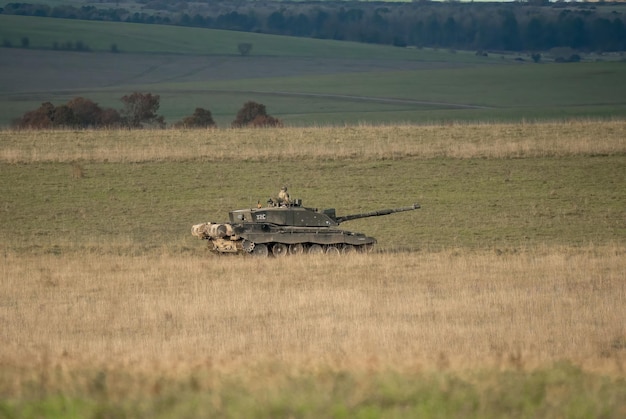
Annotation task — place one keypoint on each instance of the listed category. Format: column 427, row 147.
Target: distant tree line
column 522, row 26
column 139, row 109
column 63, row 46
column 79, row 46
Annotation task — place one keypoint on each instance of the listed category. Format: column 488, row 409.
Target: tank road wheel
column 316, row 249
column 348, row 249
column 332, row 250
column 279, row 250
column 260, row 250
column 247, row 246
column 296, row 249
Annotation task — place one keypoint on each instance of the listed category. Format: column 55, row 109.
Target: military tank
column 279, row 230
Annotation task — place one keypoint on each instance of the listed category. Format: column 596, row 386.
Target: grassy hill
column 301, row 81
column 142, row 38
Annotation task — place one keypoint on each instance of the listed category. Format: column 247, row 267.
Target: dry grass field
column 452, row 331
column 126, row 330
column 456, row 141
column 457, row 309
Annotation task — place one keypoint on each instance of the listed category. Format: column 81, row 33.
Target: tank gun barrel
column 376, row 213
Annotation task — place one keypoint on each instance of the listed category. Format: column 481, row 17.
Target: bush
column 86, row 112
column 139, row 108
column 110, row 118
column 77, row 113
column 63, row 116
column 253, row 114
column 265, row 121
column 201, row 118
column 40, row 118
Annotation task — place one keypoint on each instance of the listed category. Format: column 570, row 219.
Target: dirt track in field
column 32, row 73
column 28, row 70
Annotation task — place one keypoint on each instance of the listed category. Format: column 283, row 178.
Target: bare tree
column 141, row 108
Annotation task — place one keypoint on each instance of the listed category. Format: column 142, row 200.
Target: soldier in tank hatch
column 283, row 196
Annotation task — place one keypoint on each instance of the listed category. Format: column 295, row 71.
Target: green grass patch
column 489, row 93
column 469, row 203
column 561, row 390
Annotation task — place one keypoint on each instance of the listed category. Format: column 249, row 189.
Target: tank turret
column 288, row 229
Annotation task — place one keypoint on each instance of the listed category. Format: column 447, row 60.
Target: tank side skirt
column 325, row 237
